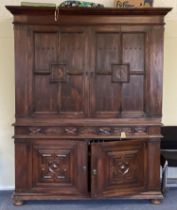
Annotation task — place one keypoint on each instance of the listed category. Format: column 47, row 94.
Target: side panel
column 22, row 166
column 23, row 69
column 155, row 70
column 154, row 164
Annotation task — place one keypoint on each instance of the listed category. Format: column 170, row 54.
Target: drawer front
column 87, row 131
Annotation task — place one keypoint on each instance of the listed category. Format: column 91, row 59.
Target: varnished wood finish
column 88, row 103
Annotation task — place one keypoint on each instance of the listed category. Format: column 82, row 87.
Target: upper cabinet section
column 90, row 63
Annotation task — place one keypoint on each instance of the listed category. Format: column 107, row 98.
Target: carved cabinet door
column 60, row 167
column 118, row 168
column 59, row 80
column 118, row 65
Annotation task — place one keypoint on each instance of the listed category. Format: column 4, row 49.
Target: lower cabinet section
column 68, row 169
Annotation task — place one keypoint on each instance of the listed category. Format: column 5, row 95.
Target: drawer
column 121, row 132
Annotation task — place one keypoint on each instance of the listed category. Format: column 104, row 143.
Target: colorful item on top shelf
column 133, row 3
column 79, row 4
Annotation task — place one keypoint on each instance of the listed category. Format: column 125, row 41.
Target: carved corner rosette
column 120, row 73
column 71, row 131
column 58, row 72
column 35, row 131
column 104, row 131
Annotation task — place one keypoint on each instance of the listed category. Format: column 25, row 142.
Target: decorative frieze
column 95, row 131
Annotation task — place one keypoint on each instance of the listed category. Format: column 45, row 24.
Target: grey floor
column 169, row 203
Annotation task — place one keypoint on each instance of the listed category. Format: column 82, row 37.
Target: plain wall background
column 7, row 92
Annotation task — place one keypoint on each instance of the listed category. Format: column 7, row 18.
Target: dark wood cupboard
column 88, row 103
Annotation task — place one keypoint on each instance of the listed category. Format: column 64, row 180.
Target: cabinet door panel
column 60, row 167
column 133, row 50
column 118, row 168
column 45, row 96
column 133, row 97
column 105, row 94
column 45, row 47
column 107, row 51
column 60, row 86
column 133, row 92
column 118, row 79
column 72, row 53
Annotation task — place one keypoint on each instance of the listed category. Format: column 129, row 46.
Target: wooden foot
column 156, row 201
column 18, row 202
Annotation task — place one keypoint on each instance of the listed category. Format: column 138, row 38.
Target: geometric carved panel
column 55, row 167
column 120, row 73
column 123, row 169
column 119, row 165
column 126, row 168
column 54, row 164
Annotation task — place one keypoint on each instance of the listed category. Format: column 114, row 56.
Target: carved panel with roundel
column 58, row 73
column 120, row 73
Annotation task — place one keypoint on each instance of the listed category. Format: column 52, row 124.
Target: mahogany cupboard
column 88, row 103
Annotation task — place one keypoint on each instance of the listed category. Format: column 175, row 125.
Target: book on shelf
column 36, row 4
